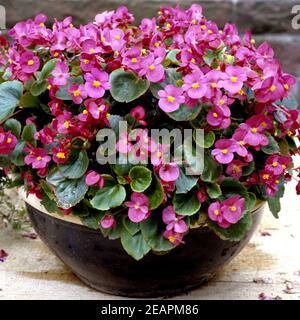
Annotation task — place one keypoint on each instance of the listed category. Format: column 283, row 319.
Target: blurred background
column 269, row 20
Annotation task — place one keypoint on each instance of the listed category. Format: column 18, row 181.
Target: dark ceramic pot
column 104, row 265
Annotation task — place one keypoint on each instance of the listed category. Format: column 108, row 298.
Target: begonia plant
column 62, row 84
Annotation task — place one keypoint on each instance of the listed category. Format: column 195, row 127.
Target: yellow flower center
column 214, row 85
column 209, row 31
column 86, row 61
column 168, row 25
column 203, row 27
column 242, row 143
column 159, row 154
column 233, row 208
column 263, row 124
column 42, row 25
column 254, row 130
column 136, row 206
column 152, row 67
column 215, row 115
column 193, row 60
column 30, row 62
column 275, row 164
column 272, row 88
column 156, row 44
column 221, row 101
column 134, row 60
column 252, row 41
column 170, row 99
column 286, row 86
column 49, row 87
column 92, row 50
column 55, row 54
column 225, row 151
column 216, row 212
column 265, row 176
column 102, row 39
column 8, row 140
column 39, row 158
column 67, row 124
column 76, row 93
column 233, row 79
column 143, row 52
column 117, row 37
column 277, row 181
column 241, row 92
column 96, row 84
column 61, row 155
column 236, row 169
column 289, row 133
column 194, row 21
column 171, row 238
column 195, row 85
column 283, row 166
column 85, row 112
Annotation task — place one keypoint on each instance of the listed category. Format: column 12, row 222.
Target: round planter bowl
column 104, row 265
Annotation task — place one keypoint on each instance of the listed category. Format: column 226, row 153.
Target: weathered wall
column 269, row 20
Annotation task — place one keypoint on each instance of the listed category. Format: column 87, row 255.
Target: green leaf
column 290, row 102
column 213, row 190
column 185, row 183
column 62, row 93
column 208, row 141
column 47, row 189
column 235, row 232
column 109, row 197
column 113, row 233
column 121, row 169
column 272, row 147
column 18, row 154
column 155, row 193
column 10, row 95
column 80, row 210
column 14, row 126
column 76, row 166
column 28, row 134
column 114, row 121
column 135, row 246
column 171, row 56
column 47, row 69
column 154, row 236
column 70, row 192
column 92, row 221
column 185, row 113
column 50, row 205
column 126, row 86
column 130, row 226
column 29, row 101
column 172, row 77
column 39, row 87
column 141, row 178
column 274, row 206
column 212, row 169
column 209, row 57
column 186, row 204
column 248, row 169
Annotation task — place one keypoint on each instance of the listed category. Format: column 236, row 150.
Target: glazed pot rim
column 35, row 202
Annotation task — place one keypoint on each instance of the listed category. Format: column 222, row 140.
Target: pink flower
column 29, row 62
column 90, row 47
column 139, row 114
column 152, row 68
column 37, row 158
column 60, row 154
column 124, row 145
column 157, row 156
column 173, row 221
column 108, row 221
column 233, row 79
column 115, row 39
column 201, row 195
column 252, row 135
column 87, row 62
column 93, row 178
column 277, row 165
column 169, row 172
column 228, row 212
column 170, row 98
column 173, row 237
column 194, row 85
column 138, row 207
column 78, row 93
column 235, row 169
column 270, row 90
column 224, row 150
column 45, row 135
column 132, row 59
column 64, row 122
column 8, row 142
column 60, row 74
column 96, row 83
column 219, row 117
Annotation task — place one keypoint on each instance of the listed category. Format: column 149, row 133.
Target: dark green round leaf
column 47, row 69
column 10, row 95
column 185, row 183
column 76, row 166
column 208, row 139
column 213, row 190
column 141, row 178
column 39, row 87
column 14, row 126
column 155, row 193
column 186, row 204
column 109, row 197
column 29, row 101
column 185, row 113
column 28, row 134
column 126, row 86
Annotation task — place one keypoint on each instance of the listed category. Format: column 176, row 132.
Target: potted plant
column 112, row 200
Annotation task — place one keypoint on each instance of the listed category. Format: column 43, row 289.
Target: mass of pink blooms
column 240, row 86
